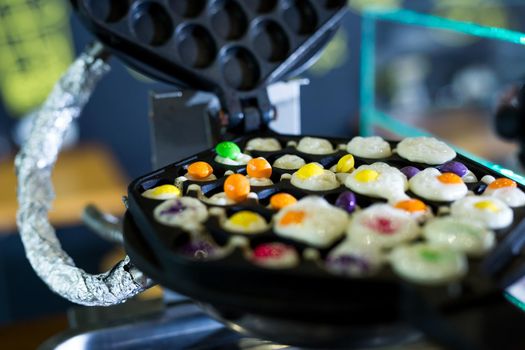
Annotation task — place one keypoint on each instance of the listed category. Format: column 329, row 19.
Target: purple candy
column 349, row 265
column 453, row 167
column 346, row 201
column 176, row 208
column 346, row 261
column 198, row 249
column 409, row 171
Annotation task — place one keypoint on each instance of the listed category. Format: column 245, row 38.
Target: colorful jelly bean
column 293, row 217
column 270, row 250
column 281, row 200
column 200, row 249
column 501, row 183
column 411, row 205
column 453, row 167
column 200, row 170
column 259, row 168
column 162, row 192
column 237, row 187
column 309, row 170
column 228, row 149
column 246, row 218
column 449, row 178
column 487, row 205
column 409, row 171
column 346, row 201
column 366, row 175
column 345, row 164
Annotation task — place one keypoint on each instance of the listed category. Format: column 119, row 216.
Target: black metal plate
column 305, row 292
column 233, row 48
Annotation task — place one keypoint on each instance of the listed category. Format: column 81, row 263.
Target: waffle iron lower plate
column 306, row 292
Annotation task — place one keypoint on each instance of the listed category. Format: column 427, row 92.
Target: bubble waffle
column 325, row 265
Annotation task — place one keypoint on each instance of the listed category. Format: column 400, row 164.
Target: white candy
column 488, row 179
column 469, row 178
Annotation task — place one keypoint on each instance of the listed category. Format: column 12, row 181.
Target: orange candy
column 281, row 200
column 449, row 178
column 200, row 170
column 293, row 217
column 411, row 205
column 259, row 167
column 237, row 187
column 502, row 182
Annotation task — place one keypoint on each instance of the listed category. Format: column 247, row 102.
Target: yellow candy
column 345, row 164
column 162, row 191
column 366, row 175
column 245, row 218
column 487, row 205
column 309, row 170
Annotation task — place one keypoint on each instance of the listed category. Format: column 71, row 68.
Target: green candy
column 431, row 255
column 228, row 149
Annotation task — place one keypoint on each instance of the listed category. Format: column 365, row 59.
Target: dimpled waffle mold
column 307, row 291
column 231, row 47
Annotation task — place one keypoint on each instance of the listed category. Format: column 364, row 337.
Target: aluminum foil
column 34, row 165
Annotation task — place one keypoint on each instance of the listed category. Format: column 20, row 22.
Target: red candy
column 382, row 225
column 270, row 251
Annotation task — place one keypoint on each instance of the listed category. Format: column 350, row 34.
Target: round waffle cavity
column 223, row 46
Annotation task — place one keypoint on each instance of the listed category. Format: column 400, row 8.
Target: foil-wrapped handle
column 34, row 165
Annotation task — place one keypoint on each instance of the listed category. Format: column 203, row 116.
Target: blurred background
column 443, row 82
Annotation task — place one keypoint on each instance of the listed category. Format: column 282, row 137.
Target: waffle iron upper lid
column 233, row 48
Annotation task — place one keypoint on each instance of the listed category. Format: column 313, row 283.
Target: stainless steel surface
column 184, row 326
column 151, row 325
column 34, row 165
column 180, row 124
column 313, row 334
column 105, row 225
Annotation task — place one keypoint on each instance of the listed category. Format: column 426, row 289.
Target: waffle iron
column 235, row 49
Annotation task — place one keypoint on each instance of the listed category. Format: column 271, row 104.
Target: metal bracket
column 186, row 122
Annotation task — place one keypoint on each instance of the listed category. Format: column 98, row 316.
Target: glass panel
column 422, row 74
